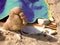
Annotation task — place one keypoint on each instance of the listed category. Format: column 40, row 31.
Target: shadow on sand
column 41, row 37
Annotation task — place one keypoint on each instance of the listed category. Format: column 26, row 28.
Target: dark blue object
column 32, row 9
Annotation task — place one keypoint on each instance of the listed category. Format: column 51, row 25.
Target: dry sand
column 12, row 38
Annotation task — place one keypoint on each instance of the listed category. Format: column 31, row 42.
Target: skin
column 16, row 20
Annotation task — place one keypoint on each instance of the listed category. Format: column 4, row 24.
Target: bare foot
column 16, row 20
